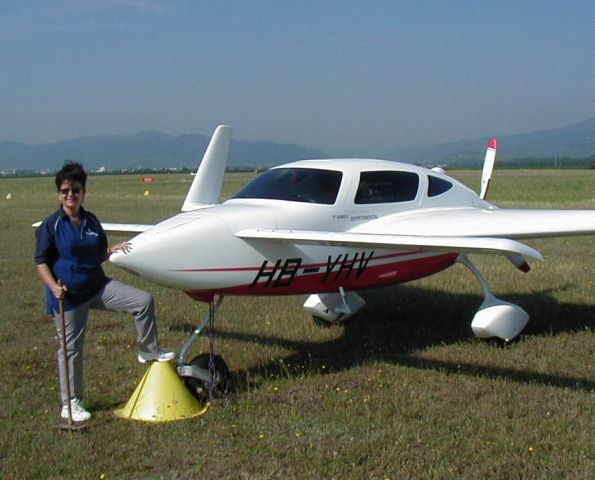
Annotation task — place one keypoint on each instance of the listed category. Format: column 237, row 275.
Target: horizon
column 319, row 74
column 208, row 135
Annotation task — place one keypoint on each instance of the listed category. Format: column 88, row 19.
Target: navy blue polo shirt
column 74, row 254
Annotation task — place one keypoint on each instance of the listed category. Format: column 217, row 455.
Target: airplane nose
column 150, row 253
column 126, row 261
column 145, row 258
column 118, row 258
column 169, row 253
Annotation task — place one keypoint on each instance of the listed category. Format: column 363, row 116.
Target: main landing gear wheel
column 495, row 317
column 221, row 377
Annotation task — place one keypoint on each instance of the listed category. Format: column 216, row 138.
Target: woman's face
column 71, row 194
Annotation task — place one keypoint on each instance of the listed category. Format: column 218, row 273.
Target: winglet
column 208, row 182
column 488, row 167
column 519, row 262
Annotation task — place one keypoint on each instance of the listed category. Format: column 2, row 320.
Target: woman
column 71, row 246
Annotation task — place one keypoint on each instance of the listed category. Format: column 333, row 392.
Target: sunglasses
column 74, row 191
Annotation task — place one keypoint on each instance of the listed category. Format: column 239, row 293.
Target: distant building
column 20, row 172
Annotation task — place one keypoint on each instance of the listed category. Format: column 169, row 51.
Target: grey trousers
column 115, row 296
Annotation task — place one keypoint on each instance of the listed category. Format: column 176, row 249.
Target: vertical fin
column 208, row 182
column 488, row 166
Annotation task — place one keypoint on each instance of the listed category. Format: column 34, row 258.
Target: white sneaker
column 159, row 356
column 78, row 412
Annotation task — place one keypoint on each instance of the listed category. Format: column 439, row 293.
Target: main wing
column 388, row 241
column 488, row 222
column 457, row 230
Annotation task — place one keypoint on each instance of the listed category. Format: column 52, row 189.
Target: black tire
column 222, row 378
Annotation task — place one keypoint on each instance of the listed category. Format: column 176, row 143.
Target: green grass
column 403, row 390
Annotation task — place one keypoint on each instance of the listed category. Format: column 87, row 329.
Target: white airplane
column 330, row 227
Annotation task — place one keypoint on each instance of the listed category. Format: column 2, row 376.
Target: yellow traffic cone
column 161, row 396
column 146, row 194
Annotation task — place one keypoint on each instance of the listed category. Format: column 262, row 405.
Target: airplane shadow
column 397, row 321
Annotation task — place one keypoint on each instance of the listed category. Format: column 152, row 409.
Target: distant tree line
column 529, row 162
column 550, row 162
column 27, row 172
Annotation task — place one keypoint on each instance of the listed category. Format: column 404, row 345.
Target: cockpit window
column 310, row 185
column 437, row 186
column 386, row 187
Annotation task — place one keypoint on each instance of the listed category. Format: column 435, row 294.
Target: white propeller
column 488, row 167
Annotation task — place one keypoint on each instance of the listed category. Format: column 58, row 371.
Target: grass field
column 403, row 390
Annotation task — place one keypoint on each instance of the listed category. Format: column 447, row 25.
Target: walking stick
column 65, row 356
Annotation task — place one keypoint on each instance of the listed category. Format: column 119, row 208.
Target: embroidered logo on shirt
column 91, row 233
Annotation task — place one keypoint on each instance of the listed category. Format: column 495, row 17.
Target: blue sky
column 369, row 75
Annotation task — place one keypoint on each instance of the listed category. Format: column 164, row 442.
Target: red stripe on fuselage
column 349, row 279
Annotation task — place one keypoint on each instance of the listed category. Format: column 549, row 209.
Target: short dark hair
column 71, row 171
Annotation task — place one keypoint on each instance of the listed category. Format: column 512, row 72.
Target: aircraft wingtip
column 492, row 143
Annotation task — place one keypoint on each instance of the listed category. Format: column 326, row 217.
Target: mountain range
column 572, row 141
column 148, row 149
column 153, row 149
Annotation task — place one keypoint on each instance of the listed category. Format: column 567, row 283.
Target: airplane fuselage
column 200, row 253
column 330, row 227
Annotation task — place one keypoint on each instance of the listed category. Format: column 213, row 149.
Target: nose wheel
column 219, row 380
column 206, row 375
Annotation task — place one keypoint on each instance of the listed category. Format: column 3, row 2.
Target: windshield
column 295, row 184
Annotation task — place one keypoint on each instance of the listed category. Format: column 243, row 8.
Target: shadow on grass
column 396, row 322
